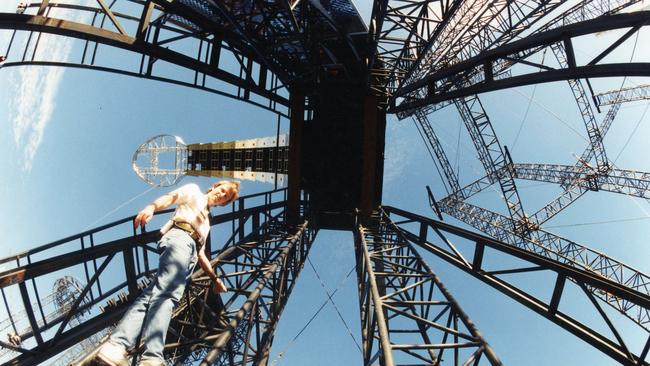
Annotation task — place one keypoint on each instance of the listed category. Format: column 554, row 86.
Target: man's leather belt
column 187, row 228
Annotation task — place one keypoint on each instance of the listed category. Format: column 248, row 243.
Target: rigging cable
column 636, row 40
column 460, row 125
column 632, row 134
column 600, row 222
column 530, row 101
column 118, row 207
column 329, row 297
column 431, row 154
column 286, row 348
column 552, row 114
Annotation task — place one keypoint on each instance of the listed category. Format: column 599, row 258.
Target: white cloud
column 400, row 148
column 31, row 108
column 32, row 105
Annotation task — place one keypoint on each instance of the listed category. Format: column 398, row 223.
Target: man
column 182, row 245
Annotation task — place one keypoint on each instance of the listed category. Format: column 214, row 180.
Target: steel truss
column 433, row 143
column 116, row 269
column 407, row 314
column 477, row 39
column 449, row 243
column 478, row 26
column 574, row 185
column 401, row 30
column 151, row 37
column 423, row 55
column 454, row 36
column 572, row 188
column 197, row 35
column 496, row 163
column 627, row 182
column 549, row 245
column 631, row 94
column 261, row 271
column 444, row 85
column 597, row 149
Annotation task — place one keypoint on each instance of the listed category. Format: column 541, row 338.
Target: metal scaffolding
column 318, row 64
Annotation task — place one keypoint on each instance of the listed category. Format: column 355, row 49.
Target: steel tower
column 335, row 78
column 163, row 160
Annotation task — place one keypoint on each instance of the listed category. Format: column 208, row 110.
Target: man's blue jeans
column 152, row 311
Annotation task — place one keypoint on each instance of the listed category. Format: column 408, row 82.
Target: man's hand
column 143, row 217
column 219, row 287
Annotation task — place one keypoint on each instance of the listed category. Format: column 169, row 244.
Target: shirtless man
column 182, row 245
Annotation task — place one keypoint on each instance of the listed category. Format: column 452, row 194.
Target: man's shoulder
column 189, row 189
column 192, row 186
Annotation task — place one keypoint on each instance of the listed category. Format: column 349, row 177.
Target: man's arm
column 146, row 214
column 204, row 262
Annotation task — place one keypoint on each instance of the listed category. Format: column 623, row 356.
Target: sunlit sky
column 69, row 135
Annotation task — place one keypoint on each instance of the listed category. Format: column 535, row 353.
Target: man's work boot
column 112, row 354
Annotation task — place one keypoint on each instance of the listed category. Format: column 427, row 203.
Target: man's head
column 223, row 192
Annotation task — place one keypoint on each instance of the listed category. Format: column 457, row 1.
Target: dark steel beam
column 83, row 31
column 406, row 311
column 557, row 248
column 581, row 72
column 374, row 125
column 440, row 244
column 559, row 34
column 297, row 124
column 266, row 287
column 508, row 50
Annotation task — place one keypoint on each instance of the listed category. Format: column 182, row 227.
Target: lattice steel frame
column 449, row 242
column 479, row 60
column 262, row 222
column 407, row 314
column 557, row 248
column 152, row 35
column 261, row 271
column 453, row 81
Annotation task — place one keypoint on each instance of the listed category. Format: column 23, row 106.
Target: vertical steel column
column 240, row 329
column 296, row 122
column 411, row 313
column 374, row 122
column 421, row 119
column 496, row 161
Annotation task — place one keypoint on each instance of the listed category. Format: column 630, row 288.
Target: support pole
column 297, row 121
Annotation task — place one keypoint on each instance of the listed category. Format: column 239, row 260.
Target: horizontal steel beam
column 629, row 182
column 588, row 277
column 33, row 270
column 579, row 72
column 439, row 87
column 83, row 31
column 617, row 96
column 616, row 349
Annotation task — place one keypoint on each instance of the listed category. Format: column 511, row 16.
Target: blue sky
column 68, row 137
